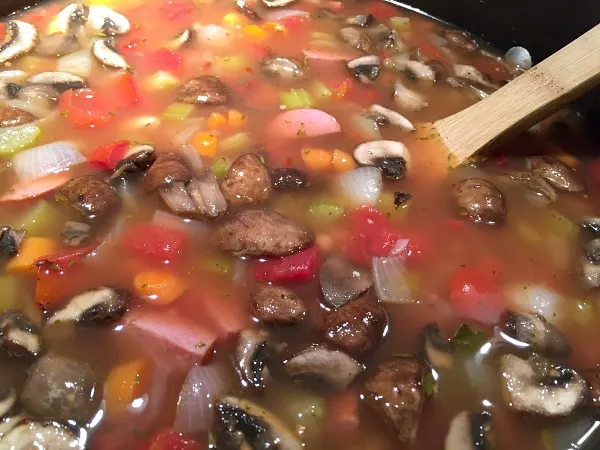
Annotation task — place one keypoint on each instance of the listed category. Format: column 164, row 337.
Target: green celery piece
column 296, row 99
column 220, row 167
column 326, row 209
column 9, row 293
column 237, row 142
column 43, row 220
column 319, row 91
column 400, row 23
column 178, row 112
column 430, row 385
column 14, row 139
column 468, row 339
column 585, row 313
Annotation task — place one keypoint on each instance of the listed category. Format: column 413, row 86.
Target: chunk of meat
column 358, row 326
column 261, row 232
column 10, row 117
column 205, row 90
column 557, row 173
column 395, row 388
column 167, row 169
column 480, row 201
column 247, row 181
column 460, row 39
column 93, row 199
column 272, row 304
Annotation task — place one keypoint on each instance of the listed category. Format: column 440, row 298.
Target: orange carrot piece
column 123, row 386
column 342, row 412
column 159, row 287
column 216, row 121
column 342, row 161
column 206, row 144
column 32, row 249
column 236, row 119
column 254, row 32
column 317, row 159
column 234, row 20
column 35, row 188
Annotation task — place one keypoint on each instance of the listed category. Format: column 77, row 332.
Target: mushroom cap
column 251, row 355
column 105, row 52
column 469, row 431
column 19, row 38
column 100, row 305
column 19, row 336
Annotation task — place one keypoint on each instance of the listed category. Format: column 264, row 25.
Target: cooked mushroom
column 204, row 90
column 8, row 399
column 285, row 178
column 59, row 388
column 57, row 44
column 592, row 376
column 19, row 336
column 469, row 431
column 277, row 3
column 75, row 233
column 336, row 368
column 416, row 69
column 138, row 159
column 61, row 81
column 10, row 242
column 536, row 385
column 93, row 199
column 591, row 251
column 275, row 305
column 70, row 17
column 105, row 51
column 384, row 116
column 37, row 100
column 538, row 189
column 396, row 390
column 9, row 80
column 460, row 39
column 590, row 272
column 247, row 11
column 555, row 172
column 390, row 156
column 19, row 38
column 480, row 201
column 287, row 69
column 356, row 39
column 438, row 350
column 251, row 355
column 326, row 13
column 342, row 281
column 470, row 73
column 243, row 425
column 361, row 20
column 247, row 181
column 104, row 21
column 100, row 305
column 385, row 38
column 26, row 434
column 365, row 68
column 591, row 224
column 408, row 99
column 536, row 332
column 183, row 38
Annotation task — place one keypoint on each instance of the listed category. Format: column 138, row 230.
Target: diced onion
column 172, row 221
column 362, row 186
column 283, row 14
column 390, row 280
column 213, row 36
column 537, row 299
column 78, row 63
column 202, row 386
column 46, row 159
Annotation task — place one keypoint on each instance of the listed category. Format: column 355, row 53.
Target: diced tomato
column 431, row 52
column 382, row 10
column 65, row 259
column 301, row 266
column 133, row 47
column 261, row 51
column 83, row 108
column 226, row 312
column 158, row 243
column 54, row 285
column 108, row 155
column 125, row 90
column 342, row 88
column 369, row 222
column 342, row 412
column 475, row 292
column 174, row 10
column 164, row 59
column 335, row 6
column 295, row 23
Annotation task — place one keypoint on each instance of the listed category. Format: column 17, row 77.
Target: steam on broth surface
column 225, row 225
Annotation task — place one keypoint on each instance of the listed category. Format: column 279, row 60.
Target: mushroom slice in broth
column 384, row 116
column 61, row 81
column 438, row 350
column 100, row 305
column 534, row 331
column 19, row 336
column 138, row 159
column 70, row 17
column 28, row 434
column 19, row 38
column 251, row 355
column 391, row 157
column 356, row 39
column 361, row 20
column 10, row 242
column 470, row 73
column 408, row 99
column 8, row 400
column 365, row 68
column 538, row 189
column 286, row 69
column 342, row 281
column 469, row 431
column 105, row 52
column 102, row 20
column 555, row 172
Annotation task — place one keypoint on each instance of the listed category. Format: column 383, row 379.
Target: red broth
column 189, row 296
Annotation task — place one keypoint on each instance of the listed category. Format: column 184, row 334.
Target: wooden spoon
column 525, row 101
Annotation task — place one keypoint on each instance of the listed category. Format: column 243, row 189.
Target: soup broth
column 228, row 225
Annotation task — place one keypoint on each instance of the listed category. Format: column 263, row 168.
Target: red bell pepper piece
column 158, row 243
column 65, row 259
column 174, row 10
column 108, row 155
column 164, row 59
column 301, row 266
column 295, row 24
column 125, row 90
column 83, row 108
column 431, row 52
column 171, row 440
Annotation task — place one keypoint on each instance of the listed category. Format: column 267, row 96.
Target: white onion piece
column 78, row 63
column 213, row 36
column 399, row 247
column 168, row 220
column 192, row 127
column 390, row 280
column 283, row 14
column 362, row 186
column 46, row 159
column 367, row 128
column 537, row 299
column 192, row 157
column 201, row 388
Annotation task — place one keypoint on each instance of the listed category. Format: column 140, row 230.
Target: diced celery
column 237, row 142
column 319, row 91
column 43, row 220
column 218, row 264
column 231, row 65
column 178, row 112
column 296, row 99
column 387, row 206
column 161, row 80
column 306, row 411
column 584, row 313
column 220, row 167
column 320, row 36
column 9, row 293
column 400, row 23
column 326, row 209
column 18, row 138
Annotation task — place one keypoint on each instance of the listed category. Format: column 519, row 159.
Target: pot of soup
column 223, row 225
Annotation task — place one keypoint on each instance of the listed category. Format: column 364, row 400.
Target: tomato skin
column 169, row 439
column 125, row 90
column 160, row 244
column 164, row 59
column 83, row 108
column 300, row 266
column 108, row 155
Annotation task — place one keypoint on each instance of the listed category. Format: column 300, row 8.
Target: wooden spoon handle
column 523, row 102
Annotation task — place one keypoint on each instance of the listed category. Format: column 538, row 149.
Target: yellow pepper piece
column 342, row 161
column 216, row 121
column 206, row 144
column 234, row 20
column 254, row 32
column 274, row 27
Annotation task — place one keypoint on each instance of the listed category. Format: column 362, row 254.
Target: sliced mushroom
column 536, row 385
column 555, row 172
column 27, row 434
column 590, row 272
column 460, row 39
column 396, row 389
column 9, row 80
column 251, row 356
column 61, row 81
column 247, row 181
column 277, row 3
column 326, row 13
column 287, row 69
column 243, row 425
column 384, row 116
column 38, row 100
column 8, row 400
column 138, row 159
column 336, row 368
column 276, row 305
column 469, row 431
column 591, row 250
column 75, row 233
column 59, row 388
column 537, row 187
column 93, row 199
column 361, row 20
column 480, row 201
column 105, row 52
column 204, row 90
column 19, row 336
column 385, row 38
column 390, row 156
column 10, row 242
column 537, row 333
column 183, row 38
column 408, row 99
column 438, row 350
column 104, row 21
column 356, row 39
column 19, row 38
column 247, row 11
column 57, row 44
column 591, row 224
column 70, row 17
column 100, row 305
column 287, row 178
column 342, row 281
column 416, row 69
column 365, row 68
column 470, row 73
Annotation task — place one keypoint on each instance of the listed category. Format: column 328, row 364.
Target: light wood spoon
column 525, row 101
